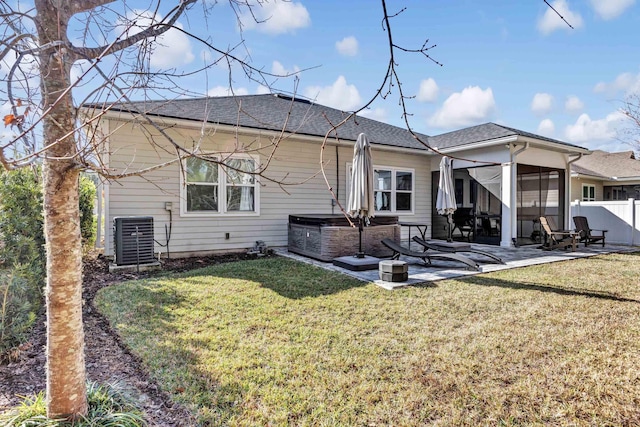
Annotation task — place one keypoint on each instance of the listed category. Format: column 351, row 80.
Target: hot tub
column 325, row 237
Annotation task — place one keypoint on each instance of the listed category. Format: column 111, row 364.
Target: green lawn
column 276, row 342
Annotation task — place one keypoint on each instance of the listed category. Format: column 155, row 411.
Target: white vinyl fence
column 620, row 217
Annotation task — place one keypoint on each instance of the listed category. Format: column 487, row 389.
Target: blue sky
column 511, row 62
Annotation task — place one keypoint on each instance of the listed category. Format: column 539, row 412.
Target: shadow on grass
column 486, row 281
column 149, row 329
column 289, row 278
column 145, row 311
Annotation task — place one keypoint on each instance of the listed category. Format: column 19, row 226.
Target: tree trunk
column 66, row 375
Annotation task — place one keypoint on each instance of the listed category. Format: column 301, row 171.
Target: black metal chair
column 463, row 222
column 454, row 247
column 428, row 255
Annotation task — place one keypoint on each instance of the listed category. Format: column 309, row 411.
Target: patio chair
column 463, row 222
column 427, row 256
column 559, row 238
column 453, row 247
column 585, row 233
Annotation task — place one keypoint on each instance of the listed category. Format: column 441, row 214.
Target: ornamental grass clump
column 109, row 406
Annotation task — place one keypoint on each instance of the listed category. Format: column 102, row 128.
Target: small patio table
column 421, row 226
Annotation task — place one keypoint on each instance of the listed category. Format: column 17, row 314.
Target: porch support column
column 508, row 197
column 567, row 199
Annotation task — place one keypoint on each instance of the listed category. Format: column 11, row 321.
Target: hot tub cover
column 337, row 220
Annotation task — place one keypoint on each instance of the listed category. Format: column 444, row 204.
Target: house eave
column 617, row 180
column 124, row 117
column 516, row 139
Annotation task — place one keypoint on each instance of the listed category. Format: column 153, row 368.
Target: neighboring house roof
column 488, row 132
column 272, row 112
column 608, row 166
column 303, row 117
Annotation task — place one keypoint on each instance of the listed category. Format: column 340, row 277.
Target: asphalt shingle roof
column 273, row 111
column 608, row 165
column 483, row 133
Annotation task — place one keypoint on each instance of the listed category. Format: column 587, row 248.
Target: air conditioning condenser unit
column 133, row 240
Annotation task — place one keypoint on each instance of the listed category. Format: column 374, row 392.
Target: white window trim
column 588, row 199
column 393, row 190
column 222, row 191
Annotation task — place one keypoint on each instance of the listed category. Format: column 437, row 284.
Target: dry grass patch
column 275, row 342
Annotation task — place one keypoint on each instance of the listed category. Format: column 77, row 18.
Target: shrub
column 21, row 253
column 87, row 218
column 21, row 221
column 18, row 307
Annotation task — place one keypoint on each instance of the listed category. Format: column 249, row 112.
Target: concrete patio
column 439, row 270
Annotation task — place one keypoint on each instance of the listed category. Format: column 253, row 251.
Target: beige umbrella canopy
column 446, row 198
column 361, row 202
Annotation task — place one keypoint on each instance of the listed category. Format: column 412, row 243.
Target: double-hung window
column 588, row 193
column 393, row 190
column 212, row 188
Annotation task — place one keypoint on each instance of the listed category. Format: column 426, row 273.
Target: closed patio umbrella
column 446, row 198
column 361, row 201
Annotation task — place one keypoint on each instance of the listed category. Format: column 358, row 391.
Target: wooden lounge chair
column 559, row 238
column 453, row 247
column 427, row 256
column 585, row 232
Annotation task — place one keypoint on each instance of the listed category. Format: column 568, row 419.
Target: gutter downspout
column 567, row 197
column 512, row 218
column 334, row 202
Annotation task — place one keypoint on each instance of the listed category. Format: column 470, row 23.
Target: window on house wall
column 618, row 193
column 588, row 193
column 393, row 190
column 210, row 188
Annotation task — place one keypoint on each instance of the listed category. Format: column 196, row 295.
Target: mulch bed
column 107, row 358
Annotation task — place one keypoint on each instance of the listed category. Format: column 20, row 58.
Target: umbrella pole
column 360, row 254
column 449, row 221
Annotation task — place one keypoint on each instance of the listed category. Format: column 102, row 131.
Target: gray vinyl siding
column 295, row 161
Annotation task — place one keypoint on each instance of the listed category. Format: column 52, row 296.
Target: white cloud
column 348, row 46
column 173, row 48
column 546, row 128
column 542, row 103
column 379, row 114
column 262, row 90
column 625, row 82
column 573, row 104
column 275, row 17
column 610, row 9
column 550, row 21
column 170, row 49
column 585, row 129
column 471, row 106
column 226, row 91
column 278, row 69
column 339, row 95
column 78, row 68
column 428, row 91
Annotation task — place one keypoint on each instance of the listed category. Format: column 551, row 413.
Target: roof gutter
column 623, row 178
column 482, row 144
